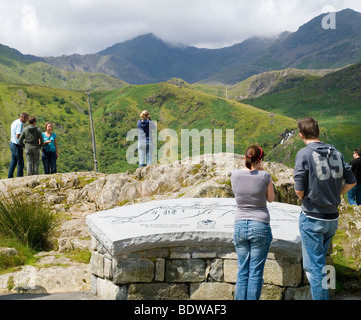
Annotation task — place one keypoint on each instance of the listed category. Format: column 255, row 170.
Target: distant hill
column 263, row 83
column 26, row 69
column 148, row 59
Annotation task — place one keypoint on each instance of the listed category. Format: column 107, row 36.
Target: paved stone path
column 83, row 295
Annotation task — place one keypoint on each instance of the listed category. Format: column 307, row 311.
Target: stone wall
column 181, row 273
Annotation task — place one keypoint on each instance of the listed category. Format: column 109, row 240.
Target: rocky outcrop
column 73, row 196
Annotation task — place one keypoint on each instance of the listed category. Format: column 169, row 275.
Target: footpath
column 83, row 295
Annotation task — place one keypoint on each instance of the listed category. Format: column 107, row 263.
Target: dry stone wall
column 181, row 273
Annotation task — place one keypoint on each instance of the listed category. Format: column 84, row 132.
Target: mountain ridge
column 148, row 59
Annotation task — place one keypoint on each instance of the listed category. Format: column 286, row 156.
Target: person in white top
column 17, row 155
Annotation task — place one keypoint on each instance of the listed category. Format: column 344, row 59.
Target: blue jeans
column 354, row 196
column 17, row 159
column 49, row 162
column 316, row 236
column 252, row 240
column 145, row 152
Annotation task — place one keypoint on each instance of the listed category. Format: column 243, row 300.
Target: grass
column 28, row 221
column 346, row 255
column 10, row 263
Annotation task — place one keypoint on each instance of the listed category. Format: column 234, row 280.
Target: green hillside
column 116, row 112
column 66, row 109
column 43, row 74
column 333, row 100
column 178, row 108
column 21, row 69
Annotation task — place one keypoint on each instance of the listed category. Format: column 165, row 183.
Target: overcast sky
column 57, row 27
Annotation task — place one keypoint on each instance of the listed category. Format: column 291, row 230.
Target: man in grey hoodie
column 33, row 142
column 321, row 176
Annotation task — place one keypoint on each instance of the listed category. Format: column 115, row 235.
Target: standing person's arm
column 21, row 138
column 56, row 146
column 300, row 176
column 18, row 130
column 41, row 140
column 270, row 194
column 346, row 187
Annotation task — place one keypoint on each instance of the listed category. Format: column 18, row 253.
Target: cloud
column 56, row 27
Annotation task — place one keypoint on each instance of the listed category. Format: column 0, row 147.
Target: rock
column 127, row 271
column 211, row 291
column 185, row 271
column 158, row 291
column 9, row 251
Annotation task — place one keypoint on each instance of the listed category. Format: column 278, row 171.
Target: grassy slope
column 67, row 109
column 21, row 69
column 177, row 108
column 116, row 112
column 333, row 100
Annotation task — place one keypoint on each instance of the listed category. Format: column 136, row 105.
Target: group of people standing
column 33, row 140
column 321, row 177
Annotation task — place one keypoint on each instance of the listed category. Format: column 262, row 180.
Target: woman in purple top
column 252, row 187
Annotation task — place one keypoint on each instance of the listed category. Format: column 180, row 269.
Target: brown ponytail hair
column 254, row 153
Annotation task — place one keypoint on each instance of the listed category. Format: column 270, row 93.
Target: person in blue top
column 145, row 140
column 50, row 149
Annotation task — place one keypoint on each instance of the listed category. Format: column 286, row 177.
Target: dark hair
column 358, row 151
column 24, row 115
column 309, row 128
column 254, row 153
column 32, row 120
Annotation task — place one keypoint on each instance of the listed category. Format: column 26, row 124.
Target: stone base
column 182, row 273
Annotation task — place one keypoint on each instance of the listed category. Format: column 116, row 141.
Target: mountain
column 311, row 47
column 26, row 69
column 148, row 59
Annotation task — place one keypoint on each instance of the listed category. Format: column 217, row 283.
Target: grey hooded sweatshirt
column 33, row 138
column 319, row 171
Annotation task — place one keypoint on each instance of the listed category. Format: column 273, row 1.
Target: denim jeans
column 252, row 240
column 354, row 195
column 49, row 162
column 17, row 159
column 316, row 236
column 145, row 152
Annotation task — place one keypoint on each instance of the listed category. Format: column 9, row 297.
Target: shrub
column 28, row 220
